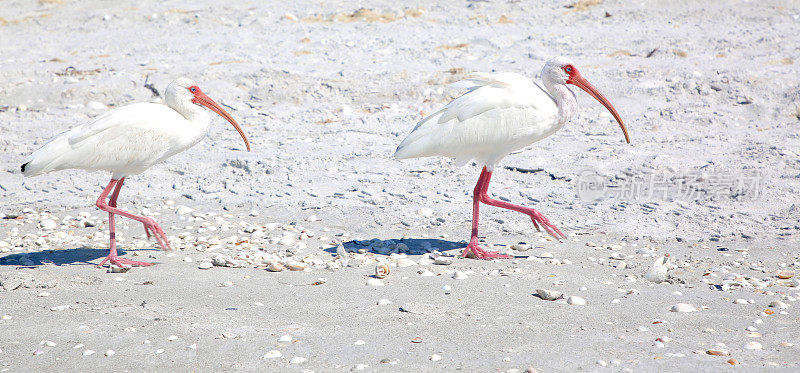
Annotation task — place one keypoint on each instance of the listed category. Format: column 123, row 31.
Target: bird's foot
column 539, row 219
column 473, row 251
column 154, row 230
column 122, row 262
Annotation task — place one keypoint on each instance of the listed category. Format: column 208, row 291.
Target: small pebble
column 88, row 352
column 285, row 338
column 359, row 343
column 172, row 338
column 549, row 294
column 110, row 353
column 384, row 302
column 436, row 357
column 459, row 275
column 683, row 307
column 576, row 301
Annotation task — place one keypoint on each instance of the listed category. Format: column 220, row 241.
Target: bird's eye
column 193, row 89
column 568, row 69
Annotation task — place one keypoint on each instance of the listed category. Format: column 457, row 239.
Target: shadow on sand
column 411, row 246
column 76, row 256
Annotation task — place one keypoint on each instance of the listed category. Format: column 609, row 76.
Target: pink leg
column 113, row 203
column 536, row 216
column 480, row 195
column 472, row 248
column 150, row 225
column 112, row 257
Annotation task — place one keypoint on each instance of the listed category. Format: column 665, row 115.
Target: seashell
column 275, row 267
column 117, row 269
column 718, row 352
column 779, row 304
column 443, row 260
column 785, row 275
column 618, row 256
column 549, row 294
column 658, row 272
column 459, row 275
column 298, row 360
column 382, row 270
column 416, row 339
column 296, row 266
column 753, row 345
column 273, row 354
column 733, row 361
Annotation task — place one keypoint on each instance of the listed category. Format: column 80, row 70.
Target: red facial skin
column 576, row 79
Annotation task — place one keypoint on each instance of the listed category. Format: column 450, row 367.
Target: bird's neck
column 565, row 100
column 197, row 123
column 190, row 111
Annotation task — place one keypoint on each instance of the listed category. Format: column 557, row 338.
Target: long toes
column 535, row 224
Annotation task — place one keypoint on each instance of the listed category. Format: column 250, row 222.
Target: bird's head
column 561, row 70
column 184, row 91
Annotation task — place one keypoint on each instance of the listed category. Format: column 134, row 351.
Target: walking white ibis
column 501, row 113
column 127, row 141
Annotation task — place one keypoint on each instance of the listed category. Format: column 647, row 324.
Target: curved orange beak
column 581, row 82
column 201, row 98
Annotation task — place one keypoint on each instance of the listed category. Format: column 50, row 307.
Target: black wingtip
column 23, row 167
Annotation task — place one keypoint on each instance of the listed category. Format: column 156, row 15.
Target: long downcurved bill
column 584, row 84
column 201, row 98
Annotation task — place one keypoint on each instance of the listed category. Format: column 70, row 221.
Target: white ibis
column 500, row 113
column 127, row 141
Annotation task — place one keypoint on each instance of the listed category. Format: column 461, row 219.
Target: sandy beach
column 682, row 249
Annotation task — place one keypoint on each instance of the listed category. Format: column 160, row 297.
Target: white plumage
column 127, row 140
column 501, row 113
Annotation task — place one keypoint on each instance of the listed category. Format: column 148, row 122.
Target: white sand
column 324, row 105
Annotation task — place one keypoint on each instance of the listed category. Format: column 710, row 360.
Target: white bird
column 499, row 114
column 127, row 141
